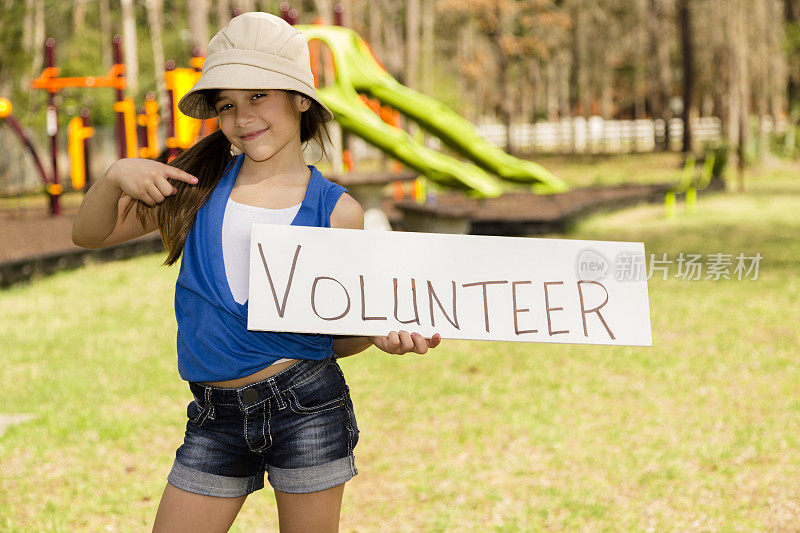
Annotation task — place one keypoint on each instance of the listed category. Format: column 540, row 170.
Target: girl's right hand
column 402, row 342
column 146, row 180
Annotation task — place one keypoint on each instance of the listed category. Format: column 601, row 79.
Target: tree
column 198, row 24
column 223, row 9
column 129, row 45
column 792, row 47
column 685, row 24
column 154, row 11
column 107, row 32
column 412, row 42
column 34, row 36
column 658, row 89
column 507, row 35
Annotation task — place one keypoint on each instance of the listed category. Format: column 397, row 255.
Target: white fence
column 596, row 135
column 581, row 135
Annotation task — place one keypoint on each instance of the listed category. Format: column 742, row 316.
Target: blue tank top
column 213, row 341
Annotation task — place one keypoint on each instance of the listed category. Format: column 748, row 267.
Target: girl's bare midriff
column 264, row 373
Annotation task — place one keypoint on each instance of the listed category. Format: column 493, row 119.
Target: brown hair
column 207, row 160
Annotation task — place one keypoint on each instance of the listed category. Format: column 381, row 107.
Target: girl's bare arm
column 97, row 216
column 99, row 221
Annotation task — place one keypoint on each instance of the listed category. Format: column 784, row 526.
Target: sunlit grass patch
column 699, row 432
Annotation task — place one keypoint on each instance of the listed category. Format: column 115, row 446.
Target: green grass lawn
column 594, row 170
column 700, row 432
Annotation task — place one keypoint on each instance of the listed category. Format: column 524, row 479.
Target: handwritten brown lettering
column 282, row 307
column 364, row 305
column 313, row 298
column 548, row 308
column 596, row 310
column 517, row 310
column 413, row 299
column 485, row 298
column 432, row 296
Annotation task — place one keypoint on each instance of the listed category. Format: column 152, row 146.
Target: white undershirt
column 236, row 224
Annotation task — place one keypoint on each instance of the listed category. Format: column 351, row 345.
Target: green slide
column 357, row 71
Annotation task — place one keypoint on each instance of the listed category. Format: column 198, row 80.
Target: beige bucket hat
column 254, row 51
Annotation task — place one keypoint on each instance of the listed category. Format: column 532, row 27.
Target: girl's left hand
column 404, row 342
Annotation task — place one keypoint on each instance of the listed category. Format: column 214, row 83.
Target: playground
column 446, row 177
column 698, row 432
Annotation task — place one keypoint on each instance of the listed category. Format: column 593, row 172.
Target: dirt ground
column 28, row 232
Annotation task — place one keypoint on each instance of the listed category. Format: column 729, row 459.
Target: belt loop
column 209, row 405
column 277, row 394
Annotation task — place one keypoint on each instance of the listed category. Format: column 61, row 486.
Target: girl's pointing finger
column 179, row 174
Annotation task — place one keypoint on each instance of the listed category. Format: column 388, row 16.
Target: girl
column 263, row 402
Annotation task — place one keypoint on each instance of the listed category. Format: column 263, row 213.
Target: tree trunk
column 37, row 37
column 533, row 89
column 685, row 26
column 575, row 85
column 154, row 11
column 348, row 10
column 245, row 5
column 505, row 103
column 607, row 94
column 198, row 24
column 463, row 85
column 563, row 70
column 722, row 74
column 792, row 17
column 79, row 14
column 375, row 24
column 428, row 48
column 393, row 45
column 743, row 90
column 659, row 68
column 107, row 31
column 129, row 47
column 324, row 9
column 27, row 27
column 505, row 97
column 551, row 69
column 762, row 75
column 412, row 43
column 778, row 55
column 223, row 8
column 734, row 106
column 640, row 62
column 718, row 90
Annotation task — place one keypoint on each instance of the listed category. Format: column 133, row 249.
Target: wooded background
column 499, row 61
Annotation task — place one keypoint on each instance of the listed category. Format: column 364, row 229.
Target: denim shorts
column 297, row 425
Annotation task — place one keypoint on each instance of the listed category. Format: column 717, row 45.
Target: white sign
column 355, row 282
